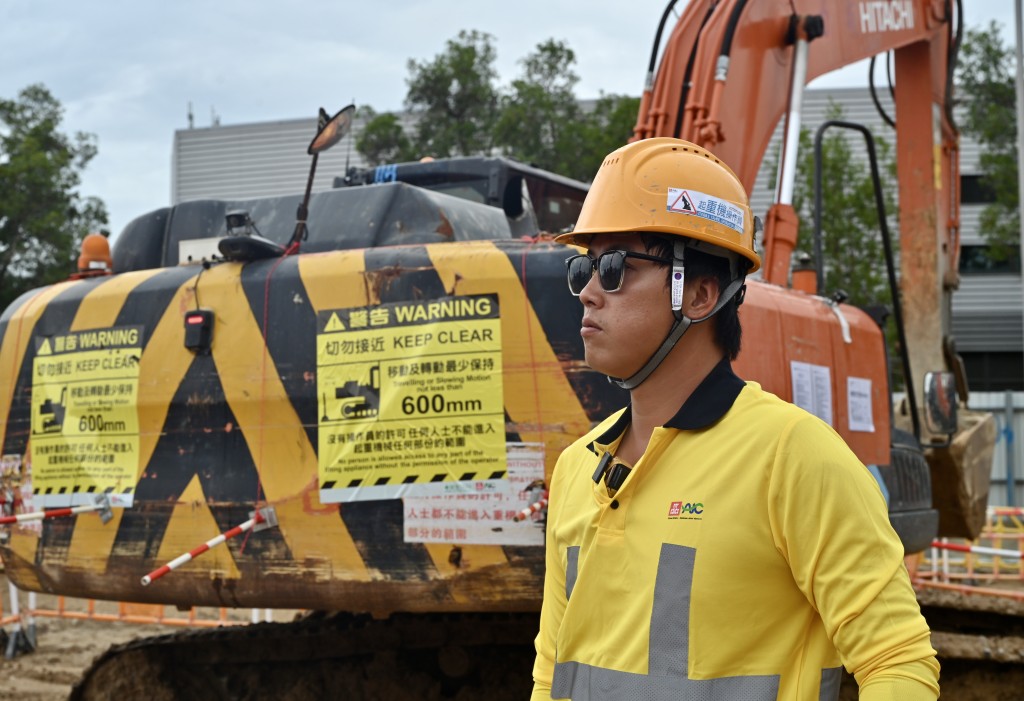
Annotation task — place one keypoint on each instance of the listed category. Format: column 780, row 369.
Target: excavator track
column 411, row 657
column 470, row 656
column 980, row 645
column 971, row 627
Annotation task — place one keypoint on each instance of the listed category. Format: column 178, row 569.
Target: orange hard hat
column 671, row 187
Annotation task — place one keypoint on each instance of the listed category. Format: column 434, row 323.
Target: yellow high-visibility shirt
column 748, row 555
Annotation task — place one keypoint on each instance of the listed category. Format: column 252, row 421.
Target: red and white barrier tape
column 531, row 509
column 262, row 516
column 978, row 549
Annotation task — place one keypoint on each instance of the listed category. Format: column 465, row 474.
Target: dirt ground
column 66, row 647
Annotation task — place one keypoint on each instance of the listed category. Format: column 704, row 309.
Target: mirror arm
column 301, row 232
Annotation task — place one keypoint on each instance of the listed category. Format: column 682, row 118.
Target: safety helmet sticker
column 702, row 205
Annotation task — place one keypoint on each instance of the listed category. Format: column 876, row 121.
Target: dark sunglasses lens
column 580, row 270
column 609, row 270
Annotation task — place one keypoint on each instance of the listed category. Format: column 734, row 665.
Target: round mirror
column 940, row 402
column 332, row 130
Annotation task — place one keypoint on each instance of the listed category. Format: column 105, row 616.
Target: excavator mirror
column 331, row 131
column 940, row 402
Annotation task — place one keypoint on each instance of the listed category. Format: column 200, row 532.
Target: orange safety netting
column 91, row 609
column 978, row 572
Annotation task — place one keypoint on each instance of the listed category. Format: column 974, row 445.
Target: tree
column 383, row 140
column 42, row 217
column 854, row 260
column 985, row 75
column 454, row 98
column 541, row 121
column 851, row 235
column 539, row 117
column 606, row 128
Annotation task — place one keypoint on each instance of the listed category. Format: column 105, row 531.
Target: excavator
column 210, row 383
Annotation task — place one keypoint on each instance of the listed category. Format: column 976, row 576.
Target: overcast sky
column 127, row 71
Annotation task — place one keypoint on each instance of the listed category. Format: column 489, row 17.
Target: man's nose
column 592, row 293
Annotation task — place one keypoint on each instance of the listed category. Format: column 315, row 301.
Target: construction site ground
column 67, row 647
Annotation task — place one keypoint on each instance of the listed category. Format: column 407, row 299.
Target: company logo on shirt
column 690, row 511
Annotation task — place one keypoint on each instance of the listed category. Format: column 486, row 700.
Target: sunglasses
column 610, row 267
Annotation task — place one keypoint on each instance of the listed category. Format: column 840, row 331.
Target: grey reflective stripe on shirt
column 572, row 566
column 668, row 654
column 582, row 682
column 669, row 648
column 830, row 680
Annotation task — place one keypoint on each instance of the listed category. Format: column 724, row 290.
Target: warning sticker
column 487, row 516
column 812, row 389
column 858, row 402
column 410, row 398
column 706, row 206
column 85, row 426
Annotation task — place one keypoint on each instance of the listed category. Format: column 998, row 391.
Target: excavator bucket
column 960, row 476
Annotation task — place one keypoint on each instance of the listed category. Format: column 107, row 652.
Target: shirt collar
column 713, row 397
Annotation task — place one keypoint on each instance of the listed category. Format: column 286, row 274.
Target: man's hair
column 728, row 333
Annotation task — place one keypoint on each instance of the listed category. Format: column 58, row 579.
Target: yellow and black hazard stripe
column 413, row 479
column 223, row 431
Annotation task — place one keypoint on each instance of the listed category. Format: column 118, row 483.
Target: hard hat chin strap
column 681, row 325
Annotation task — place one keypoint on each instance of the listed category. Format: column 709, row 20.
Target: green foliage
column 383, row 140
column 42, row 217
column 851, row 236
column 539, row 113
column 985, row 75
column 455, row 98
column 537, row 119
column 854, row 258
column 541, row 121
column 606, row 128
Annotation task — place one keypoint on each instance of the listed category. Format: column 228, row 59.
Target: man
column 710, row 541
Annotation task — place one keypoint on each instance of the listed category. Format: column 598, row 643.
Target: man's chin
column 601, row 365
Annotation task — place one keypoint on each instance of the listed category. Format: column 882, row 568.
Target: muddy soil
column 66, row 647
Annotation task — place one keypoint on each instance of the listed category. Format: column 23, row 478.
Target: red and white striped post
column 102, row 505
column 22, row 639
column 265, row 516
column 542, row 503
column 977, row 549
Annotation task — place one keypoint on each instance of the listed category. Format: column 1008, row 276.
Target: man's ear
column 703, row 297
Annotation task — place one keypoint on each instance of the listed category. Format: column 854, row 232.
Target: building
column 254, row 160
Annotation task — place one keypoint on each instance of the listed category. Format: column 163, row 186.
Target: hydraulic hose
column 684, row 94
column 890, row 265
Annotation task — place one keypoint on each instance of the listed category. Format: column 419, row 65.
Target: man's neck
column 661, row 395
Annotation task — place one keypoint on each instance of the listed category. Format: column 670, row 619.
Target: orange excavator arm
column 732, row 69
column 725, row 75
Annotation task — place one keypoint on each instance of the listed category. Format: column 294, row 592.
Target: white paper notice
column 812, row 389
column 483, row 517
column 858, row 400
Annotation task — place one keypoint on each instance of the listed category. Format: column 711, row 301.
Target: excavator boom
column 731, row 71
